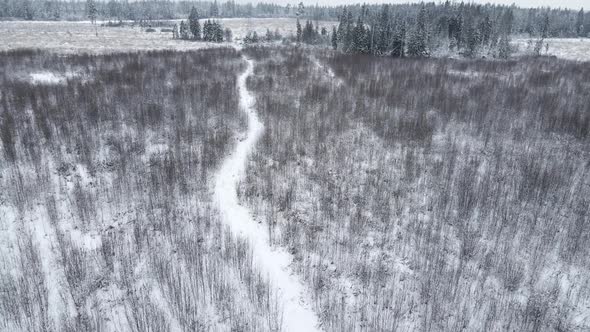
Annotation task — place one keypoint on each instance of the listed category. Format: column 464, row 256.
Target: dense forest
column 438, row 17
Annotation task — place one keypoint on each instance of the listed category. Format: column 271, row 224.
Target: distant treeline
column 464, row 29
column 563, row 22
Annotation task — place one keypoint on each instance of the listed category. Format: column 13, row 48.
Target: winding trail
column 272, row 262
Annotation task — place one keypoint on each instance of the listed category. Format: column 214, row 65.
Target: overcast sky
column 573, row 4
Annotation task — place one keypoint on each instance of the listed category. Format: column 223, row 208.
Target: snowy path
column 272, row 262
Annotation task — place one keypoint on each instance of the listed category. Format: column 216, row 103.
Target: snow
column 80, row 37
column 84, row 37
column 60, row 301
column 46, row 78
column 286, row 26
column 273, row 262
column 566, row 48
column 159, row 300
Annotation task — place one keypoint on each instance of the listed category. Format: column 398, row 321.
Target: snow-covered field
column 286, row 26
column 566, row 48
column 77, row 37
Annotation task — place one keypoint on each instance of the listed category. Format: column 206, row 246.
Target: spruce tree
column 207, row 31
column 91, row 10
column 299, row 32
column 504, row 49
column 544, row 34
column 175, row 32
column 184, row 30
column 214, row 9
column 334, row 38
column 228, row 35
column 194, row 25
column 417, row 43
column 485, row 30
column 472, row 39
column 360, row 38
column 398, row 43
column 218, row 32
column 581, row 31
column 342, row 27
column 349, row 32
column 300, row 10
column 384, row 31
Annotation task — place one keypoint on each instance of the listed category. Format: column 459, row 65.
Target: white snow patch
column 159, row 300
column 273, row 262
column 577, row 49
column 60, row 301
column 47, row 78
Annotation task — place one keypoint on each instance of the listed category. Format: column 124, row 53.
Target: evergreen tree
column 27, row 11
column 91, row 10
column 455, row 31
column 580, row 30
column 485, row 30
column 299, row 31
column 530, row 22
column 504, row 49
column 507, row 21
column 218, row 32
column 334, row 38
column 417, row 43
column 300, row 10
column 384, row 31
column 349, row 32
column 309, row 34
column 214, row 9
column 251, row 38
column 544, row 34
column 207, row 31
column 398, row 44
column 472, row 39
column 228, row 35
column 360, row 38
column 184, row 31
column 342, row 27
column 175, row 33
column 194, row 25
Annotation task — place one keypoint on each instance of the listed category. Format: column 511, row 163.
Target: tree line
column 212, row 31
column 466, row 29
column 133, row 10
column 564, row 22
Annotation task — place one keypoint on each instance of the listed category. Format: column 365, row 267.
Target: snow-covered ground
column 286, row 26
column 565, row 48
column 273, row 262
column 76, row 37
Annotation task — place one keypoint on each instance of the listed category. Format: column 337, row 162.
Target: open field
column 565, row 48
column 80, row 37
column 76, row 37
